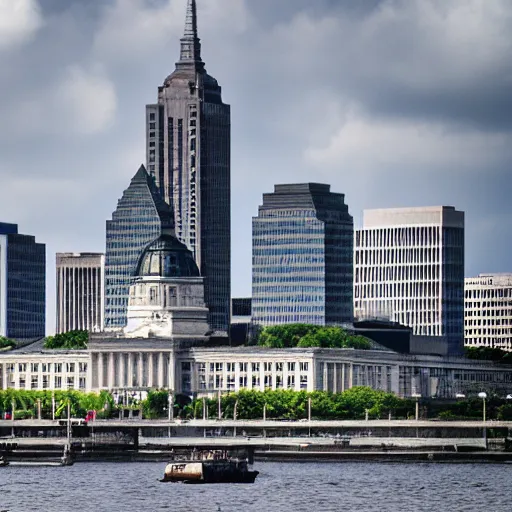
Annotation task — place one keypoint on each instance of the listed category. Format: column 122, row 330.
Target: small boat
column 210, row 468
column 37, row 463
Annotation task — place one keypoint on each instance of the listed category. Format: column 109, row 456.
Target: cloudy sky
column 392, row 102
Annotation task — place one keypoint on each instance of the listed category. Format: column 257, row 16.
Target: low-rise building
column 488, row 311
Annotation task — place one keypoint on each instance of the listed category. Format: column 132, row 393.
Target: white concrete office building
column 80, row 291
column 409, row 268
column 488, row 311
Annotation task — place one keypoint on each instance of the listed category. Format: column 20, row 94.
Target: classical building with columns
column 167, row 344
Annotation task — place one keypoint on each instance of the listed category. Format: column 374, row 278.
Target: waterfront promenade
column 268, row 424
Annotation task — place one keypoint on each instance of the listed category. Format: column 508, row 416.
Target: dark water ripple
column 360, row 487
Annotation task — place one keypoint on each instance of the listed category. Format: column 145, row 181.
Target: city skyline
column 442, row 140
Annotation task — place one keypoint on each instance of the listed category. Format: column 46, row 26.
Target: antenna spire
column 190, row 43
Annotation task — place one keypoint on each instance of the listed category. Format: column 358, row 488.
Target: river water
column 311, row 487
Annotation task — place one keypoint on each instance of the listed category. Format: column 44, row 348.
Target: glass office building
column 302, row 257
column 22, row 285
column 140, row 216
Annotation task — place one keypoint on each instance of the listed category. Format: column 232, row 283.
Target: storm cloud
column 392, row 102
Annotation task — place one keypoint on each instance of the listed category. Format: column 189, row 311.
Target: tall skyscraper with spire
column 188, row 154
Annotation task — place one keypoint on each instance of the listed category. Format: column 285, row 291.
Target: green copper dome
column 166, row 257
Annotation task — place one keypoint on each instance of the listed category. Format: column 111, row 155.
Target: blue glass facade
column 302, row 257
column 22, row 285
column 140, row 216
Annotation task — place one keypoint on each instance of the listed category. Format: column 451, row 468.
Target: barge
column 209, row 467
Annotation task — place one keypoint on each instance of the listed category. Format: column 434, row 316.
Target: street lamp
column 483, row 396
column 417, row 396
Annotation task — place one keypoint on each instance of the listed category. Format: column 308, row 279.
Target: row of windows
column 244, row 367
column 45, row 367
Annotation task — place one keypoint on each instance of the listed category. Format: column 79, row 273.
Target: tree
column 72, row 340
column 307, row 336
column 6, row 343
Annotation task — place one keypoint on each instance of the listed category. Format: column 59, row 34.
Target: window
column 70, row 367
column 255, row 367
column 279, row 367
column 243, row 367
column 34, row 367
column 46, row 367
column 57, row 382
column 82, row 367
column 70, row 382
column 218, row 367
column 201, row 367
column 230, row 367
column 291, row 367
column 22, row 367
column 186, row 366
column 81, row 383
column 58, row 368
column 304, row 367
column 303, row 382
column 267, row 367
column 45, row 381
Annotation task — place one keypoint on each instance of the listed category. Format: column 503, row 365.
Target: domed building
column 167, row 293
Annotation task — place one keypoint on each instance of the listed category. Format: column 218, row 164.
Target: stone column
column 325, row 377
column 161, row 370
column 100, row 371
column 150, row 370
column 350, row 376
column 141, row 370
column 89, row 384
column 171, row 381
column 129, row 377
column 122, row 373
column 111, row 370
column 335, row 378
column 342, row 377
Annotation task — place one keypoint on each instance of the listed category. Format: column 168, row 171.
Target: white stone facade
column 45, row 371
column 140, row 365
column 167, row 307
column 488, row 311
column 80, row 291
column 409, row 268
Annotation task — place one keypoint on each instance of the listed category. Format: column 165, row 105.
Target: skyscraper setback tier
column 22, row 285
column 188, row 153
column 409, row 268
column 302, row 257
column 80, row 291
column 140, row 216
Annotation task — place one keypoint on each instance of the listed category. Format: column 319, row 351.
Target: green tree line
column 306, row 335
column 489, row 354
column 354, row 403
